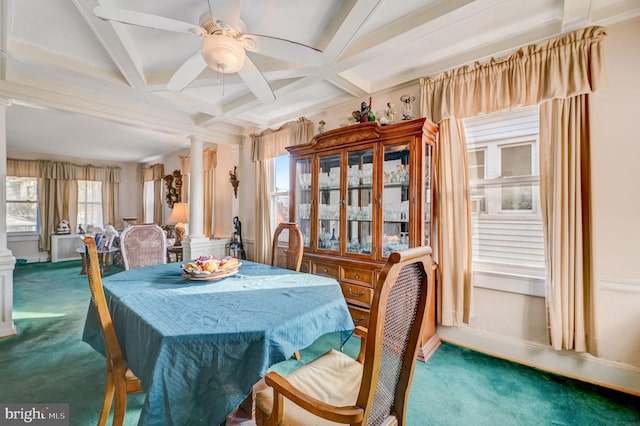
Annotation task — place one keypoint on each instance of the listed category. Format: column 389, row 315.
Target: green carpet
column 47, row 362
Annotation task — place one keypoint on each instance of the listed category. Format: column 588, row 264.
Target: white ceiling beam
column 347, row 83
column 115, row 39
column 406, row 29
column 113, row 108
column 345, row 25
column 6, row 7
column 575, row 14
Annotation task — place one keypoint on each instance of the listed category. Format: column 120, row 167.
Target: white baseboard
column 43, row 256
column 584, row 367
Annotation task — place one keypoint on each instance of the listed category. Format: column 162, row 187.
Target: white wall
column 504, row 320
column 616, row 196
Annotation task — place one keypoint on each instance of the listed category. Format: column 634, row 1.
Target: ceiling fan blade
column 256, row 82
column 285, row 50
column 188, row 72
column 145, row 20
column 227, row 11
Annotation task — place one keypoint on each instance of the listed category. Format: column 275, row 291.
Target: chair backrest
column 398, row 308
column 287, row 247
column 143, row 245
column 113, row 352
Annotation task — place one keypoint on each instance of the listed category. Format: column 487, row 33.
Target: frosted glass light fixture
column 223, row 53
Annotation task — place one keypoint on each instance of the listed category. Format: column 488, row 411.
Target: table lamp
column 179, row 215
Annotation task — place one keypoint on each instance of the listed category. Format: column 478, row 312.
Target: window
column 477, row 173
column 89, row 203
column 280, row 191
column 148, row 201
column 22, row 204
column 507, row 235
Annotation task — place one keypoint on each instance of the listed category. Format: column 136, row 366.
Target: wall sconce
column 174, row 188
column 233, row 178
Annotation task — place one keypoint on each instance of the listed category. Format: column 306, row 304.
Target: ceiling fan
column 224, row 46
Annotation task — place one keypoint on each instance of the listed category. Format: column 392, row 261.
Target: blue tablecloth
column 198, row 347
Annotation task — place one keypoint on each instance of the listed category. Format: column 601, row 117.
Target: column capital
column 195, row 139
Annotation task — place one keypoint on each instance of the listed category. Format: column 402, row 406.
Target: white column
column 7, row 261
column 196, row 242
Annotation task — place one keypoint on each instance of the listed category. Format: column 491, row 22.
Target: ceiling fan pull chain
column 221, row 77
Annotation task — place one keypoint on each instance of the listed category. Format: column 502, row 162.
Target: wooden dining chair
column 120, row 379
column 143, row 245
column 287, row 247
column 373, row 388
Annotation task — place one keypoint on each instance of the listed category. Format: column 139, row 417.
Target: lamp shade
column 223, row 53
column 180, row 213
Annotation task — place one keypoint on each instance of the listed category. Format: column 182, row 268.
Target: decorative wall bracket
column 174, row 188
column 233, row 178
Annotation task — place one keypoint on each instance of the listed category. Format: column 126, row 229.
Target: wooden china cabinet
column 358, row 193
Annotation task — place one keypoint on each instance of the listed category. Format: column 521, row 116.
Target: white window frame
column 26, row 201
column 521, row 279
column 276, row 193
column 82, row 205
column 148, row 201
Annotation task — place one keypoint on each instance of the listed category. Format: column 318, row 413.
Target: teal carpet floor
column 47, row 362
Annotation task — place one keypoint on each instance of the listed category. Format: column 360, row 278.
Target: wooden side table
column 174, row 252
column 104, row 257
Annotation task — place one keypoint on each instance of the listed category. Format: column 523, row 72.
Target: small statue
column 407, row 109
column 321, row 125
column 80, row 230
column 391, row 112
column 63, row 227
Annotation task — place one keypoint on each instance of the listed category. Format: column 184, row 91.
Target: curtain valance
column 23, row 168
column 272, row 143
column 560, row 68
column 154, row 172
column 209, row 161
column 61, row 170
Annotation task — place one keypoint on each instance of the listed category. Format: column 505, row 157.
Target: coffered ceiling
column 98, row 89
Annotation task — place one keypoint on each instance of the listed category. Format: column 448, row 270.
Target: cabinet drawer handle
column 357, row 276
column 351, row 293
column 325, row 270
column 358, row 320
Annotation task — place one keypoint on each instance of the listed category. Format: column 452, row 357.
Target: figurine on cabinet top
column 63, row 227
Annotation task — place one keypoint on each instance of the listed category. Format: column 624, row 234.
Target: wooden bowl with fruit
column 210, row 268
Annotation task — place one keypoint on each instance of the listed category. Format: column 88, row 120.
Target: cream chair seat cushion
column 333, row 378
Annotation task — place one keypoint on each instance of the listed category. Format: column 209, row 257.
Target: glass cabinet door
column 303, row 198
column 395, row 198
column 329, row 203
column 426, row 167
column 359, row 201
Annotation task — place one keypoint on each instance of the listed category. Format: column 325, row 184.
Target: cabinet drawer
column 326, row 269
column 357, row 276
column 357, row 294
column 360, row 316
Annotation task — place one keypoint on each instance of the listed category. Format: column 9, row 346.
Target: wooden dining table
column 198, row 347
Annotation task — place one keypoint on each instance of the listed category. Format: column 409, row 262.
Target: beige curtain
column 58, row 191
column 265, row 147
column 561, row 68
column 453, row 222
column 155, row 173
column 209, row 163
column 565, row 189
